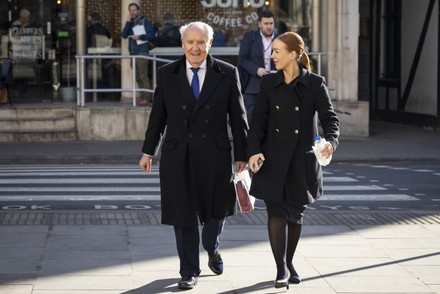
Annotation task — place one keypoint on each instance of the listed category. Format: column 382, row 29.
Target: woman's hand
column 256, row 161
column 328, row 150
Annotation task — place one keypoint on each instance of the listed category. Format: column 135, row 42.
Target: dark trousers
column 188, row 239
column 249, row 103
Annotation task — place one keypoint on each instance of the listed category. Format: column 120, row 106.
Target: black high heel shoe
column 294, row 277
column 284, row 282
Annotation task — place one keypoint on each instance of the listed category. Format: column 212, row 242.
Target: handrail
column 80, row 77
column 154, row 53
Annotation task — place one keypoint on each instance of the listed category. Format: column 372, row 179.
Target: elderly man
column 194, row 98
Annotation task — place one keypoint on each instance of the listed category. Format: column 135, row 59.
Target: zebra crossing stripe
column 128, row 182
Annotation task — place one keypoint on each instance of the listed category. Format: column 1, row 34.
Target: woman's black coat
column 283, row 128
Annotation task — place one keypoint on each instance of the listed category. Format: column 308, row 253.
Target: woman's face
column 281, row 55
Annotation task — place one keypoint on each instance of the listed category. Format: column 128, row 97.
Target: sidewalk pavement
column 130, row 252
column 118, row 258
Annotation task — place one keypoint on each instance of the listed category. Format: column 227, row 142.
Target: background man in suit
column 196, row 160
column 254, row 58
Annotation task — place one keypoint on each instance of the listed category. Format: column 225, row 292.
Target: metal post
column 319, row 63
column 133, row 76
column 80, row 38
column 82, row 82
column 78, row 83
column 154, row 72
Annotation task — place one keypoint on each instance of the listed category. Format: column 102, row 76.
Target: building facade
column 380, row 57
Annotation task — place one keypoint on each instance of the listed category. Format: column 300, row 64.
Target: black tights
column 282, row 249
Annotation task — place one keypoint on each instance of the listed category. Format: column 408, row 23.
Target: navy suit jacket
column 250, row 58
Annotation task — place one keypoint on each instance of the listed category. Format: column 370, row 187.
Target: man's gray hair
column 204, row 27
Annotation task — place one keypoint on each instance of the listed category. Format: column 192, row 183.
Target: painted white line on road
column 367, row 197
column 138, row 180
column 77, row 189
column 79, row 173
column 354, row 188
column 80, row 198
column 339, row 179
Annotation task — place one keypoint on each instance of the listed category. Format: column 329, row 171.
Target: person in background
column 138, row 44
column 287, row 175
column 21, row 23
column 24, row 19
column 194, row 98
column 254, row 58
column 95, row 28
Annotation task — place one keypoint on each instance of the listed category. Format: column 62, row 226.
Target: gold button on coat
column 296, row 132
column 277, row 130
column 296, row 108
column 277, row 107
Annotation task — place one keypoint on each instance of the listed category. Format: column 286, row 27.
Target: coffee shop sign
column 232, row 21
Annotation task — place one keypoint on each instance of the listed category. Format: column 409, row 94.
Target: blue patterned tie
column 195, row 83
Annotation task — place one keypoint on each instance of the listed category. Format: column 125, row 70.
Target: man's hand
column 145, row 163
column 240, row 166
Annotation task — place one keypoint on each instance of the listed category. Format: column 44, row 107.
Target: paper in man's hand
column 139, row 30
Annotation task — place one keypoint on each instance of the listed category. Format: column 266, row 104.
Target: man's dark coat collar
column 213, row 76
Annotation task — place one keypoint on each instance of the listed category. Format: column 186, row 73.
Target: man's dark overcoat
column 283, row 128
column 196, row 158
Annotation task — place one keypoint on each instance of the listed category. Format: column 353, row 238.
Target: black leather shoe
column 294, row 277
column 187, row 282
column 283, row 282
column 215, row 263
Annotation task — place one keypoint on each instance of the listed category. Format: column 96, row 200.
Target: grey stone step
column 31, row 113
column 67, row 123
column 38, row 136
column 30, row 124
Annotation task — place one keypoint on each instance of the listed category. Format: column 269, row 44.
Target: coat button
column 206, row 121
column 190, row 135
column 277, row 107
column 277, row 130
column 296, row 132
column 184, row 107
column 296, row 108
column 207, row 107
column 203, row 136
column 185, row 121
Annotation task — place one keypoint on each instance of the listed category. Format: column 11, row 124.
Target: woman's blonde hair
column 294, row 42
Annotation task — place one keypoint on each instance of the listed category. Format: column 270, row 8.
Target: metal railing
column 80, row 75
column 153, row 57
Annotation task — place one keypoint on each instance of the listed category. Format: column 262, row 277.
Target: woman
column 282, row 131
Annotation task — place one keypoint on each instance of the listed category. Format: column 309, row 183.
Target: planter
column 68, row 94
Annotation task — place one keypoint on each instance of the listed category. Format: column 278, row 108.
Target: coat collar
column 211, row 63
column 304, row 78
column 213, row 76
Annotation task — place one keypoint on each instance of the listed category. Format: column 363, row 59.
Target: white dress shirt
column 201, row 73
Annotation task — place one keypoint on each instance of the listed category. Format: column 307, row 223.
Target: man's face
column 267, row 26
column 134, row 11
column 196, row 45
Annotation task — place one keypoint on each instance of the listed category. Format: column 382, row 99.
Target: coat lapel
column 213, row 76
column 183, row 86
